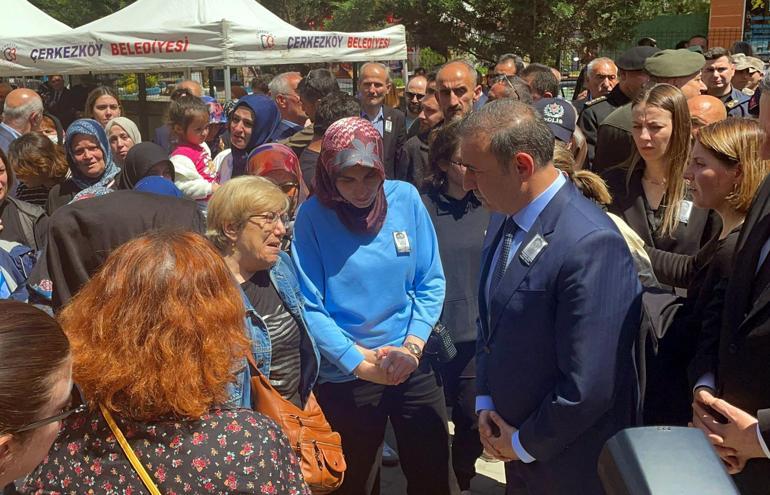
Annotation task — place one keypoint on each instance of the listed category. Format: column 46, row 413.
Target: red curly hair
column 158, row 330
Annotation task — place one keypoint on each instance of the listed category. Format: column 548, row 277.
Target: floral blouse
column 226, row 451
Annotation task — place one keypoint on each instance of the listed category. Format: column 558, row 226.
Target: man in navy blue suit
column 559, row 309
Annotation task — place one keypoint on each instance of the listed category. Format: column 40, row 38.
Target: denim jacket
column 284, row 279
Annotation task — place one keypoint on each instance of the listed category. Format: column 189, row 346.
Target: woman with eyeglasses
column 461, row 223
column 247, row 220
column 157, row 342
column 35, row 387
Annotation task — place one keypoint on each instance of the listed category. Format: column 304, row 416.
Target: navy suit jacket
column 555, row 349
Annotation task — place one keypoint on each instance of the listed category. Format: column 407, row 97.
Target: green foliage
column 75, row 13
column 430, row 59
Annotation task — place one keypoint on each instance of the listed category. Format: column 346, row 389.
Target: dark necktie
column 509, row 230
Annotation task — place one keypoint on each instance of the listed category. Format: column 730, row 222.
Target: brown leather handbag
column 318, row 448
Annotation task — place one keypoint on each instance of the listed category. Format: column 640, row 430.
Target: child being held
column 196, row 175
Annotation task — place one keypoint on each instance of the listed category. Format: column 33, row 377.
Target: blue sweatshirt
column 358, row 288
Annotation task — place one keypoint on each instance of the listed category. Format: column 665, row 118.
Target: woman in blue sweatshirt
column 371, row 274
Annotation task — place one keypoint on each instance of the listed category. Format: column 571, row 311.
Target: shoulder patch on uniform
column 595, row 101
column 732, row 104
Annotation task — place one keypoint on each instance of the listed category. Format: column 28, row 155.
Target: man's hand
column 736, row 440
column 370, row 356
column 496, row 436
column 398, row 363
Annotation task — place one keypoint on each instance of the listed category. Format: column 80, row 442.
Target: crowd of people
column 543, row 272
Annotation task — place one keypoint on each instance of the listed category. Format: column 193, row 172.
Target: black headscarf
column 139, row 160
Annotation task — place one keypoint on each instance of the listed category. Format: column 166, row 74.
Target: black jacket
column 739, row 349
column 628, row 202
column 81, row 235
column 594, row 112
column 413, row 164
column 393, row 138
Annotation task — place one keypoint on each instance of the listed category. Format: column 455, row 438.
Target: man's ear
column 477, row 93
column 525, row 165
column 5, row 450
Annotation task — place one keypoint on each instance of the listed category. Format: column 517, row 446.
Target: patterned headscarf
column 271, row 157
column 349, row 142
column 90, row 127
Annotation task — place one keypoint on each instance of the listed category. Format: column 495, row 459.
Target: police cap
column 633, row 58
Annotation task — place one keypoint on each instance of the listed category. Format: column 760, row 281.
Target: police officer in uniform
column 718, row 73
column 681, row 68
column 632, row 79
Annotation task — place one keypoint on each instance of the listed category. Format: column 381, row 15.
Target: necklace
column 655, row 182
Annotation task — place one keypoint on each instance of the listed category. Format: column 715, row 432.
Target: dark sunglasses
column 76, row 405
column 409, row 96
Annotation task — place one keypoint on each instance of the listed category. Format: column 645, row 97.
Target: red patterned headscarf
column 349, row 142
column 273, row 157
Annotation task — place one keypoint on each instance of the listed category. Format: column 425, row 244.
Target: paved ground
column 489, row 480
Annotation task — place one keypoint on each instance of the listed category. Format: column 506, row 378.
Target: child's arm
column 188, row 180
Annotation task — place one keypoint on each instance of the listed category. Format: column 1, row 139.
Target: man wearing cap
column 748, row 73
column 718, row 74
column 632, row 79
column 680, row 68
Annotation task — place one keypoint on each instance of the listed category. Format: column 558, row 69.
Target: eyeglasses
column 77, row 405
column 272, row 218
column 410, row 96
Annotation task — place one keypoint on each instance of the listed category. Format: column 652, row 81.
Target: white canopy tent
column 165, row 35
column 22, row 19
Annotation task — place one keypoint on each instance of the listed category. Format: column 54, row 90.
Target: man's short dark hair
column 317, row 84
column 533, row 68
column 333, row 107
column 420, row 71
column 715, row 53
column 544, row 82
column 681, row 44
column 518, row 62
column 513, row 127
column 260, row 83
column 516, row 88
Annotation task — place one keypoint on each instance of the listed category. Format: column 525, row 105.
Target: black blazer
column 741, row 356
column 628, row 203
column 393, row 138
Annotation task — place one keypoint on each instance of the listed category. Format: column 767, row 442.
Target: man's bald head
column 23, row 110
column 458, row 88
column 705, row 110
column 193, row 87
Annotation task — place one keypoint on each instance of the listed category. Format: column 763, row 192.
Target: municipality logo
column 9, row 53
column 267, row 40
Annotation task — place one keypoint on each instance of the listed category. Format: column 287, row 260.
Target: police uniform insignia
column 732, row 104
column 595, row 101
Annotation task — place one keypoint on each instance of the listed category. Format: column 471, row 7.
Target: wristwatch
column 413, row 349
